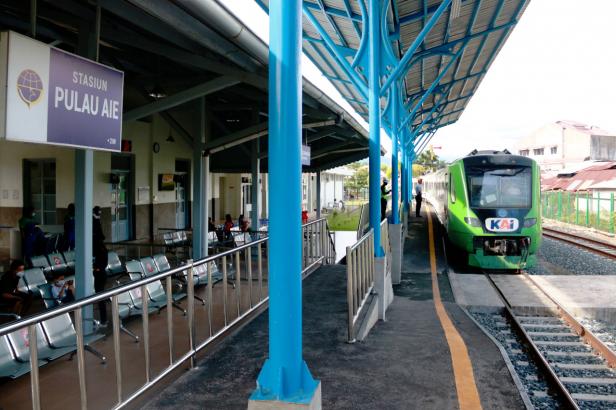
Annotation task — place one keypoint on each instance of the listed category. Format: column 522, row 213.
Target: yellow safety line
column 468, row 396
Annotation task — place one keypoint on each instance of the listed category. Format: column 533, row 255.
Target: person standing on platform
column 418, row 196
column 384, row 193
column 69, row 228
column 99, row 252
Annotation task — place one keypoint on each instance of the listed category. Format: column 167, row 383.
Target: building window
column 538, row 151
column 524, row 152
column 554, row 150
column 40, row 189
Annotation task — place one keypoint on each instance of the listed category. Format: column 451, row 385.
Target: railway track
column 576, row 364
column 593, row 245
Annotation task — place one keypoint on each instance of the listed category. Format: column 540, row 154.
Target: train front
column 503, row 213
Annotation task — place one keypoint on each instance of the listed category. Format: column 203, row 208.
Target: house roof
column 598, row 175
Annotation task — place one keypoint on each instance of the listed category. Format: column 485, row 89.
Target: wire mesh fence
column 593, row 209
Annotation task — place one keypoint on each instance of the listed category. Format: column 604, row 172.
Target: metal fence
column 246, row 263
column 360, row 278
column 588, row 208
column 318, row 245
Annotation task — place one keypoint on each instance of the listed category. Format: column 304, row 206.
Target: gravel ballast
column 559, row 258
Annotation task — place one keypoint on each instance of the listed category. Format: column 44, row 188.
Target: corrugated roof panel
column 473, row 62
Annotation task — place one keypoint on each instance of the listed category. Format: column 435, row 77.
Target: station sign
column 50, row 96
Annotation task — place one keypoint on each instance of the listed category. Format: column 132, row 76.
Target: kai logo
column 502, row 224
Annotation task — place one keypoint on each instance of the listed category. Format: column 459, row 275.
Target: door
column 246, row 199
column 182, row 192
column 121, row 197
column 180, row 206
column 120, row 209
column 40, row 189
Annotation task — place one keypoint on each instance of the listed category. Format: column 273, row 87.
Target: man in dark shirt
column 18, row 302
column 384, row 193
column 99, row 252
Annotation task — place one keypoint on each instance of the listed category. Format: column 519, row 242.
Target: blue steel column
column 198, row 222
column 394, row 156
column 374, row 120
column 403, row 183
column 84, row 175
column 285, row 376
column 89, row 34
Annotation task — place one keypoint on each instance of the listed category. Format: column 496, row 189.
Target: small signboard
column 305, row 155
column 49, row 96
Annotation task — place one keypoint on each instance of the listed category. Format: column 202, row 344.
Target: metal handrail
column 313, row 237
column 360, row 278
column 107, row 294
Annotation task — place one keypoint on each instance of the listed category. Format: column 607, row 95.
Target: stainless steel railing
column 360, row 278
column 318, row 248
column 385, row 239
column 318, row 245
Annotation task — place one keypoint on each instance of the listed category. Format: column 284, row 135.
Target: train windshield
column 497, row 187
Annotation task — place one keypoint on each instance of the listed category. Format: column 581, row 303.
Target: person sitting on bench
column 19, row 302
column 63, row 290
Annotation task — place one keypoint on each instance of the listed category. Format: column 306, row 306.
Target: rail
column 246, row 263
column 599, row 347
column 582, row 241
column 551, row 377
column 360, row 278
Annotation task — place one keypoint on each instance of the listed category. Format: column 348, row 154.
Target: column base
column 272, row 391
column 395, row 240
column 313, row 404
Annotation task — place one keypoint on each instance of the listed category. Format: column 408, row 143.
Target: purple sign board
column 55, row 97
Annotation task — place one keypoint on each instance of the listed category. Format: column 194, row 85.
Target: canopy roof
column 180, row 52
column 455, row 55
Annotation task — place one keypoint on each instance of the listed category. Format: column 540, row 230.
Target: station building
column 563, row 144
column 188, row 101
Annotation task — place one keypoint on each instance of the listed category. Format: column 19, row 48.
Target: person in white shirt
column 418, row 196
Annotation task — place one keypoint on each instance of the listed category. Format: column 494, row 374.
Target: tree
column 359, row 180
column 386, row 170
column 429, row 161
column 418, row 169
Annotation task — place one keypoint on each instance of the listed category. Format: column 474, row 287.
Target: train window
column 452, row 190
column 499, row 187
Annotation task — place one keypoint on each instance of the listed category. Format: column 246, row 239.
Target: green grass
column 343, row 221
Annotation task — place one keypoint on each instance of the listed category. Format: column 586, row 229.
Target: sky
column 558, row 64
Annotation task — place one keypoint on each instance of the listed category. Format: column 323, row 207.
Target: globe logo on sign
column 29, row 87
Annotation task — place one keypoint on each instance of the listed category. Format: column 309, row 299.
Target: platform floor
column 404, row 363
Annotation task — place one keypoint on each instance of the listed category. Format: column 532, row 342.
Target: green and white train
column 489, row 204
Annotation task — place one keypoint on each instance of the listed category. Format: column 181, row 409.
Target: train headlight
column 528, row 222
column 473, row 222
